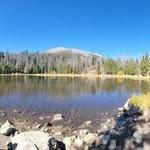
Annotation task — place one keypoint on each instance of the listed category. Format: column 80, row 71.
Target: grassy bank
column 134, row 77
column 142, row 101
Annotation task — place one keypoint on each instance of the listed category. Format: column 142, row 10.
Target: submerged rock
column 57, row 117
column 86, row 124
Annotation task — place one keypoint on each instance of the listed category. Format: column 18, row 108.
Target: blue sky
column 109, row 27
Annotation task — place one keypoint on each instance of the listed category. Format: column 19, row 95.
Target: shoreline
column 129, row 130
column 133, row 77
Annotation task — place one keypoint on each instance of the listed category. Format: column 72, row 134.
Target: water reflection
column 66, row 86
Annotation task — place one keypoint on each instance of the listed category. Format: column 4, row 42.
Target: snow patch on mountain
column 72, row 50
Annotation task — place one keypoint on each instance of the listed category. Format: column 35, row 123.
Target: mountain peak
column 72, row 50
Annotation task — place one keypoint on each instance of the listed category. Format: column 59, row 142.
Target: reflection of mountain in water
column 67, row 86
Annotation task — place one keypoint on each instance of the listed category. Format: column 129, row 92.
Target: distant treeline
column 67, row 63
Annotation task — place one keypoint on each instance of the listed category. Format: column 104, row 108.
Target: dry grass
column 142, row 101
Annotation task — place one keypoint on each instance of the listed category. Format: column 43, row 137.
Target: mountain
column 56, row 60
column 72, row 50
column 80, row 61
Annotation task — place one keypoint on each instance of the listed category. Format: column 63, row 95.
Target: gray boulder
column 7, row 129
column 39, row 139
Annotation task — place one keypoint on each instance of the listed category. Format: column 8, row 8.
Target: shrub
column 142, row 101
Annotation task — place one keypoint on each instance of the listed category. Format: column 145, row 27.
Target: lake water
column 88, row 96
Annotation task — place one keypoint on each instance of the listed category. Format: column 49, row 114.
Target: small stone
column 92, row 139
column 112, row 145
column 120, row 109
column 58, row 133
column 88, row 123
column 16, row 111
column 4, row 114
column 38, row 126
column 78, row 142
column 68, row 141
column 57, row 117
column 82, row 133
column 146, row 115
column 41, row 118
column 48, row 124
column 29, row 127
column 105, row 139
column 138, row 137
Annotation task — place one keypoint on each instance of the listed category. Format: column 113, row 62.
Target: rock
column 85, row 124
column 53, row 144
column 68, row 141
column 48, row 124
column 105, row 126
column 82, row 133
column 25, row 145
column 120, row 109
column 92, row 139
column 41, row 140
column 29, row 127
column 78, row 142
column 38, row 126
column 146, row 115
column 138, row 137
column 133, row 110
column 41, row 118
column 7, row 129
column 146, row 146
column 105, row 139
column 3, row 141
column 4, row 114
column 45, row 128
column 55, row 129
column 58, row 133
column 112, row 145
column 127, row 105
column 57, row 117
column 48, row 117
column 16, row 111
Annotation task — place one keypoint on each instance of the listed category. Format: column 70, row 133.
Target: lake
column 90, row 97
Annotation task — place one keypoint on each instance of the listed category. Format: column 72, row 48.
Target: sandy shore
column 134, row 77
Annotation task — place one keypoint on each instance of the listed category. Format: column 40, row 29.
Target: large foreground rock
column 35, row 139
column 7, row 129
column 3, row 141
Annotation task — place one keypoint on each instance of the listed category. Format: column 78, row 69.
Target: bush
column 120, row 73
column 142, row 101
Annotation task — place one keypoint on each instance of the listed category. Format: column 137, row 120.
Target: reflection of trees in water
column 67, row 86
column 54, row 86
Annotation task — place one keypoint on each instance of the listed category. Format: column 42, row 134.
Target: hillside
column 56, row 60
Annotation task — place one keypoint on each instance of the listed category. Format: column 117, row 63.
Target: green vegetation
column 71, row 63
column 128, row 66
column 142, row 101
column 145, row 65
